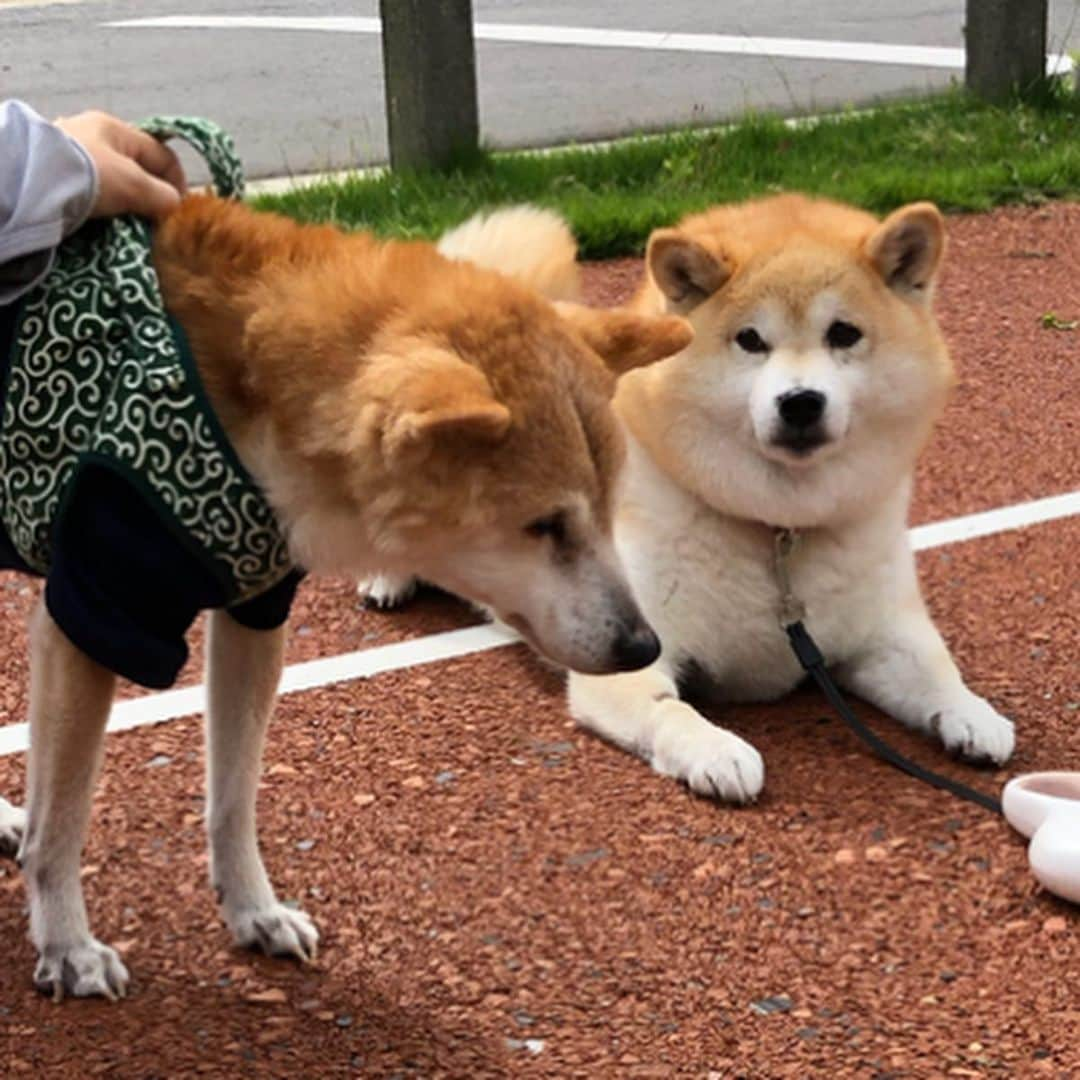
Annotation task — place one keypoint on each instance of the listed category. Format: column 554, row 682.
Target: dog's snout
column 801, row 409
column 635, row 647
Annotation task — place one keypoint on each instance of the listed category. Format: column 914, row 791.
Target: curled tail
column 528, row 243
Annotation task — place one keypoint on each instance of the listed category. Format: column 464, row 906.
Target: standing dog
column 815, row 375
column 398, row 410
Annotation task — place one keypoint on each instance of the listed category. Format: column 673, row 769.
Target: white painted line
column 329, row 24
column 5, row 5
column 172, row 704
column 857, row 52
column 995, row 521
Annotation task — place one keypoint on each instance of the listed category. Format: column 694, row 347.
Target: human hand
column 137, row 174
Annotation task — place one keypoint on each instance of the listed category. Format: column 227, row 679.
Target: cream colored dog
column 815, row 375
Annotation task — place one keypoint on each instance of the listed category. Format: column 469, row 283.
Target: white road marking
column 857, row 52
column 6, row 4
column 188, row 701
column 971, row 527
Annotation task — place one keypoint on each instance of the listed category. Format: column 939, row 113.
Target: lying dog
column 395, row 409
column 815, row 375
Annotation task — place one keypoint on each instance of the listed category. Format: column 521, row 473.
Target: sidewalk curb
column 281, row 185
column 284, row 184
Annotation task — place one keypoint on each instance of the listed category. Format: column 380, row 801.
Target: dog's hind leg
column 12, row 827
column 70, row 697
column 641, row 712
column 243, row 670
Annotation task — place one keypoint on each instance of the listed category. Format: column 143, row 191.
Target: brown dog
column 400, row 411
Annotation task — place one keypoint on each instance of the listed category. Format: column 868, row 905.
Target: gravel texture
column 502, row 895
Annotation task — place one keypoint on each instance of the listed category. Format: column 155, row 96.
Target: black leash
column 813, row 663
column 809, row 655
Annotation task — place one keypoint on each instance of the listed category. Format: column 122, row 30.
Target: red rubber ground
column 502, row 895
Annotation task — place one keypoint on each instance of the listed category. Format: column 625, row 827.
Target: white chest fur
column 708, row 582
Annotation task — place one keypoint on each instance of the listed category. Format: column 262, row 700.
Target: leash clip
column 792, row 609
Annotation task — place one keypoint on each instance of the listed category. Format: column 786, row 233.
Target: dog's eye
column 552, row 525
column 749, row 340
column 842, row 335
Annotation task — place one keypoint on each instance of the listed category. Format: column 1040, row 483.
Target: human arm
column 48, row 184
column 54, row 176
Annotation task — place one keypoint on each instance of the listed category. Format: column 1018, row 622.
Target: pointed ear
column 907, row 246
column 625, row 340
column 434, row 395
column 685, row 271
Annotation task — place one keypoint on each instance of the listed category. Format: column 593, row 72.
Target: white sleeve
column 48, row 184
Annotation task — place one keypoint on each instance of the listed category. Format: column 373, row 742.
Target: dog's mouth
column 802, row 443
column 797, row 448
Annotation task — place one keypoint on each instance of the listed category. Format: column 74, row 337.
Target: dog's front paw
column 12, row 827
column 708, row 759
column 276, row 930
column 386, row 591
column 975, row 730
column 86, row 969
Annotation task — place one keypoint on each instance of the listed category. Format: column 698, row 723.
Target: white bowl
column 1046, row 807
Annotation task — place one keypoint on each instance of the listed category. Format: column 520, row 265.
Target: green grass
column 961, row 154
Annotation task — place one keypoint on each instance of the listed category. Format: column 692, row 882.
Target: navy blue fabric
column 121, row 586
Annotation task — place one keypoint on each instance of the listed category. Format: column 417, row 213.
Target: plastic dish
column 1046, row 808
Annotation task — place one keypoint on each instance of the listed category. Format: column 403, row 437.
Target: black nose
column 801, row 409
column 635, row 648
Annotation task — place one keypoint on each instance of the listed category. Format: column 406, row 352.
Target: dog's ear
column 432, row 395
column 685, row 271
column 625, row 340
column 906, row 248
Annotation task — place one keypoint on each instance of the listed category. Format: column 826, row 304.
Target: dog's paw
column 87, row 969
column 12, row 827
column 276, row 930
column 708, row 759
column 386, row 591
column 975, row 730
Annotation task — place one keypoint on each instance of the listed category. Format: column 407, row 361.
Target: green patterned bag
column 100, row 374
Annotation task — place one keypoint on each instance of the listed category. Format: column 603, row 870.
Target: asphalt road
column 303, row 101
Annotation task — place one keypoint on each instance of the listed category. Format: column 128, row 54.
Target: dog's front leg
column 906, row 670
column 244, row 667
column 641, row 712
column 70, row 697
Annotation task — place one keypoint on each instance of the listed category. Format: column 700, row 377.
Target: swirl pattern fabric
column 100, row 374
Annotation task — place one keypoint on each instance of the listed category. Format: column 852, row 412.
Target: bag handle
column 213, row 143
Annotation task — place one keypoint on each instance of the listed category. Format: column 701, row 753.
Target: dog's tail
column 528, row 243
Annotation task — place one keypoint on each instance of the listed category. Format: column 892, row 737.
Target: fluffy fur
column 411, row 412
column 524, row 242
column 815, row 375
column 402, row 411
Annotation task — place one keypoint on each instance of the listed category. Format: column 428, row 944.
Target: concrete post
column 1006, row 46
column 429, row 69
